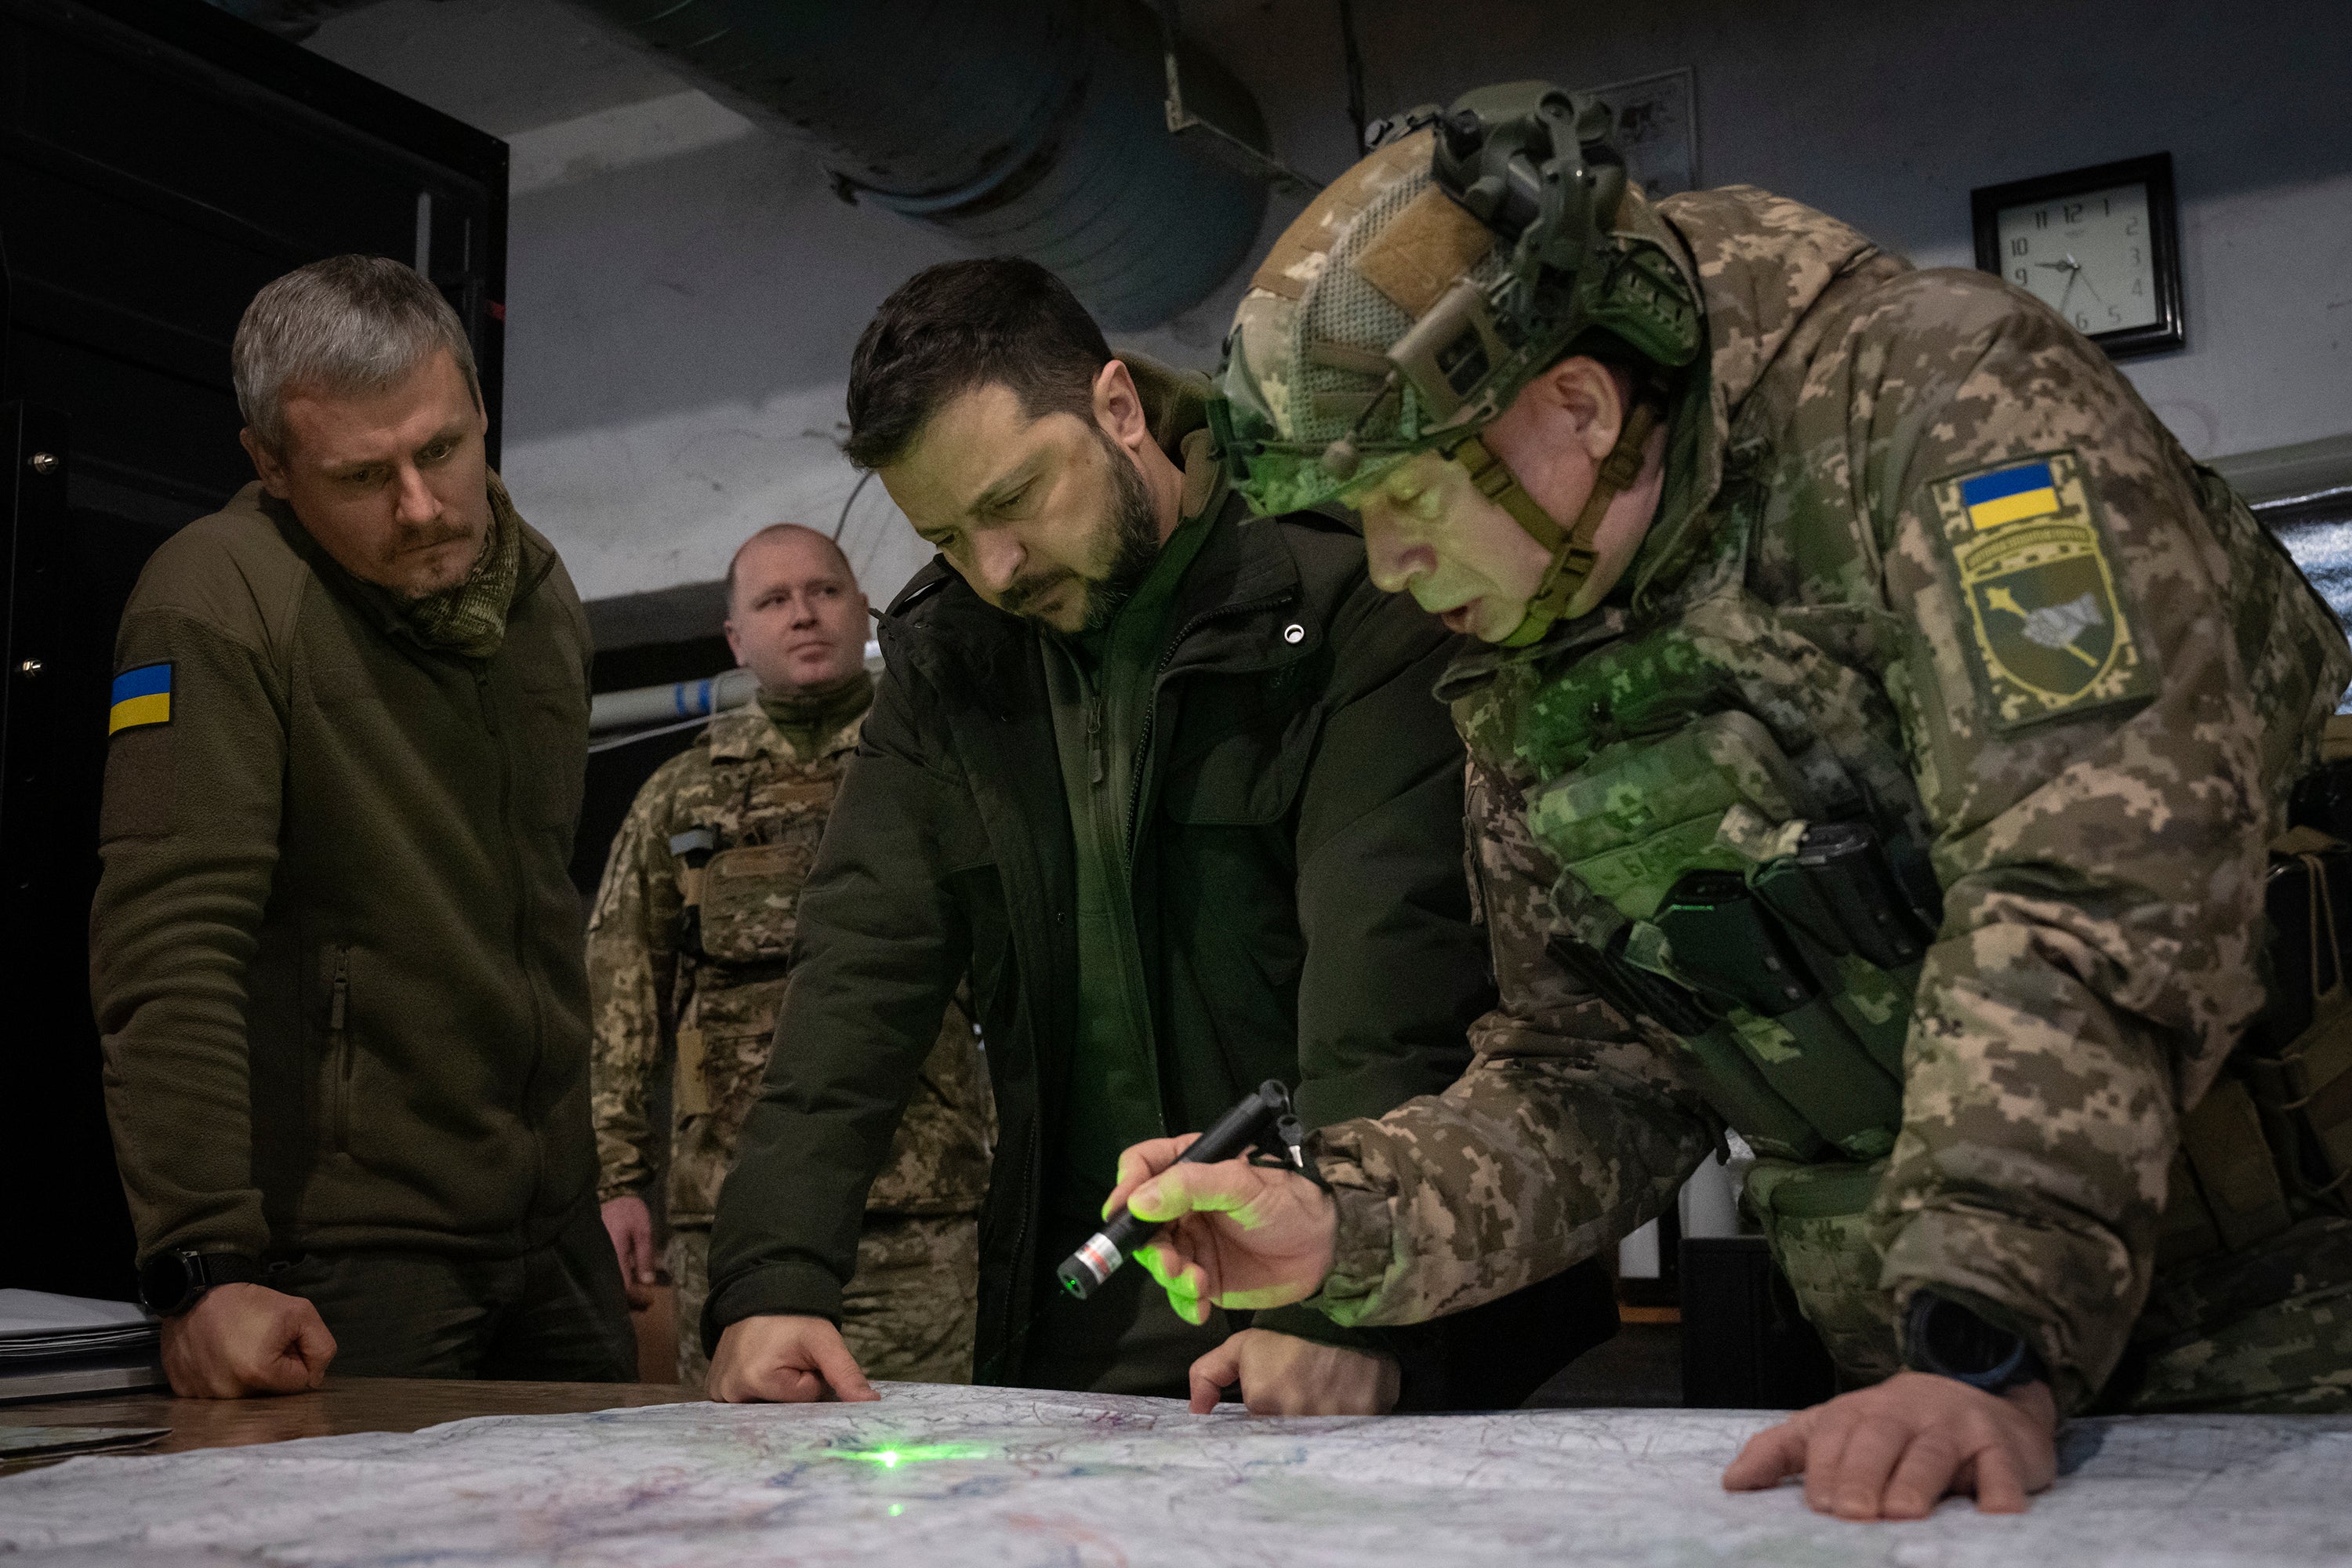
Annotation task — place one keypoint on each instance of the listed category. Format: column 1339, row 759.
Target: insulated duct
column 1035, row 128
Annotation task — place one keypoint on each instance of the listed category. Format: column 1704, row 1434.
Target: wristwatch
column 1943, row 1337
column 172, row 1281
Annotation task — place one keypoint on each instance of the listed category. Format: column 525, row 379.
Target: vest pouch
column 1814, row 1062
column 2305, row 1098
column 2304, row 1087
column 1641, row 813
column 750, row 900
column 1739, row 1094
column 1815, row 1220
column 1728, row 944
column 1836, row 893
column 2224, row 1192
column 1875, row 1004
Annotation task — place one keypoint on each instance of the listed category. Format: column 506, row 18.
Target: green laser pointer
column 1264, row 1120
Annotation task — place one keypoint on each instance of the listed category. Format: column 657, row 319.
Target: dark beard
column 1135, row 528
column 1135, row 536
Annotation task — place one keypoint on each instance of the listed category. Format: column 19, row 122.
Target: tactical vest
column 739, row 885
column 1744, row 864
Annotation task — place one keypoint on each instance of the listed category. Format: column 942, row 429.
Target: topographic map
column 945, row 1478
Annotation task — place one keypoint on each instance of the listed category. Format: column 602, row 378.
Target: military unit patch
column 142, row 697
column 2048, row 622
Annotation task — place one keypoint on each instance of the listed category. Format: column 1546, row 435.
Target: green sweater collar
column 807, row 717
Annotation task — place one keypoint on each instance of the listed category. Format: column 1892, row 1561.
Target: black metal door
column 159, row 162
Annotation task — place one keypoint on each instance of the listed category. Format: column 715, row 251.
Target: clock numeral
column 2138, row 285
column 2042, row 217
column 2115, row 312
column 2082, row 320
column 2131, row 225
column 2073, row 211
column 2019, row 275
column 2135, row 256
column 2018, row 247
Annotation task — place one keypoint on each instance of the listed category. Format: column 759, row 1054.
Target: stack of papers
column 56, row 1345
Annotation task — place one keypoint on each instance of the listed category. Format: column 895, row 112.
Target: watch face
column 165, row 1283
column 2089, row 256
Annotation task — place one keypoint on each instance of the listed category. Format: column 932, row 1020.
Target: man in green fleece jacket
column 335, row 955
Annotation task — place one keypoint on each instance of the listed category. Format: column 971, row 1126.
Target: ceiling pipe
column 1035, row 128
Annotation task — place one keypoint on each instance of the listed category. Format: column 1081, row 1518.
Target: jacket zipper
column 339, row 1001
column 1151, row 709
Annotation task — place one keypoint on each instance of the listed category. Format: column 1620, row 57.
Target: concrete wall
column 684, row 289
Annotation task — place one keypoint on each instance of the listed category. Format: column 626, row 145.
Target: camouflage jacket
column 713, row 1009
column 1821, row 554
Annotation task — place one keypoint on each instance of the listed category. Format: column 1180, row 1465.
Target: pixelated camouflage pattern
column 910, row 1313
column 652, row 1005
column 1323, row 287
column 2100, row 872
column 2264, row 1331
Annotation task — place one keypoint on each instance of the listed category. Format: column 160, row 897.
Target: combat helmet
column 1471, row 250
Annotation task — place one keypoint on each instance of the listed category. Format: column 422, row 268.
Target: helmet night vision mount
column 1470, row 274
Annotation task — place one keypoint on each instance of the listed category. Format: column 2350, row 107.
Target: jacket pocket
column 340, row 1062
column 1236, row 765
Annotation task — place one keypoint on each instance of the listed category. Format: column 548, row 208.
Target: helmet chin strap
column 1572, row 554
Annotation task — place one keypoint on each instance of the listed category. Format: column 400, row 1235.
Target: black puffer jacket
column 1299, row 897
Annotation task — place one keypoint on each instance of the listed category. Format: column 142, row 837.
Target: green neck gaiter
column 809, row 716
column 471, row 618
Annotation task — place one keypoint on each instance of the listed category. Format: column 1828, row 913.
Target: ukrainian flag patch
column 2046, row 615
column 142, row 697
column 2009, row 495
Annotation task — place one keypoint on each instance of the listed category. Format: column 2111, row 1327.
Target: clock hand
column 2056, row 266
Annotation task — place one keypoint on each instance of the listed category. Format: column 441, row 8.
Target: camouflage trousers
column 909, row 1314
column 2265, row 1330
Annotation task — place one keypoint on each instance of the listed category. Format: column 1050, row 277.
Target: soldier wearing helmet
column 1881, row 727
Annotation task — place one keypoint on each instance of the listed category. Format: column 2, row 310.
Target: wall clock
column 2100, row 246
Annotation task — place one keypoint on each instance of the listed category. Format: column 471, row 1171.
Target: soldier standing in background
column 688, row 956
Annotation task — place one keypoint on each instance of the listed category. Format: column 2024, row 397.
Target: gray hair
column 347, row 324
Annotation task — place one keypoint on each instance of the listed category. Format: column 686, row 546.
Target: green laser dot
column 911, row 1452
column 897, row 1508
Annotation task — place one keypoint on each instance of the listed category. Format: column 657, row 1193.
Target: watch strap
column 212, row 1269
column 172, row 1282
column 1950, row 1339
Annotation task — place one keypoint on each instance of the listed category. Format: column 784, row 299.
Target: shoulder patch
column 142, row 697
column 2048, row 623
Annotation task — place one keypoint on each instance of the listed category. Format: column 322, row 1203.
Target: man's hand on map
column 1897, row 1450
column 631, row 1226
column 1282, row 1375
column 785, row 1361
column 1238, row 1234
column 245, row 1339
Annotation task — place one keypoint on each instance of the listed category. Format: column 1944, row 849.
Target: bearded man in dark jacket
column 1169, row 782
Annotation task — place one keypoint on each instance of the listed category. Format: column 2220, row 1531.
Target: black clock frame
column 2168, row 330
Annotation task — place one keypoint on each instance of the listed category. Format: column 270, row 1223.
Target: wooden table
column 343, row 1404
